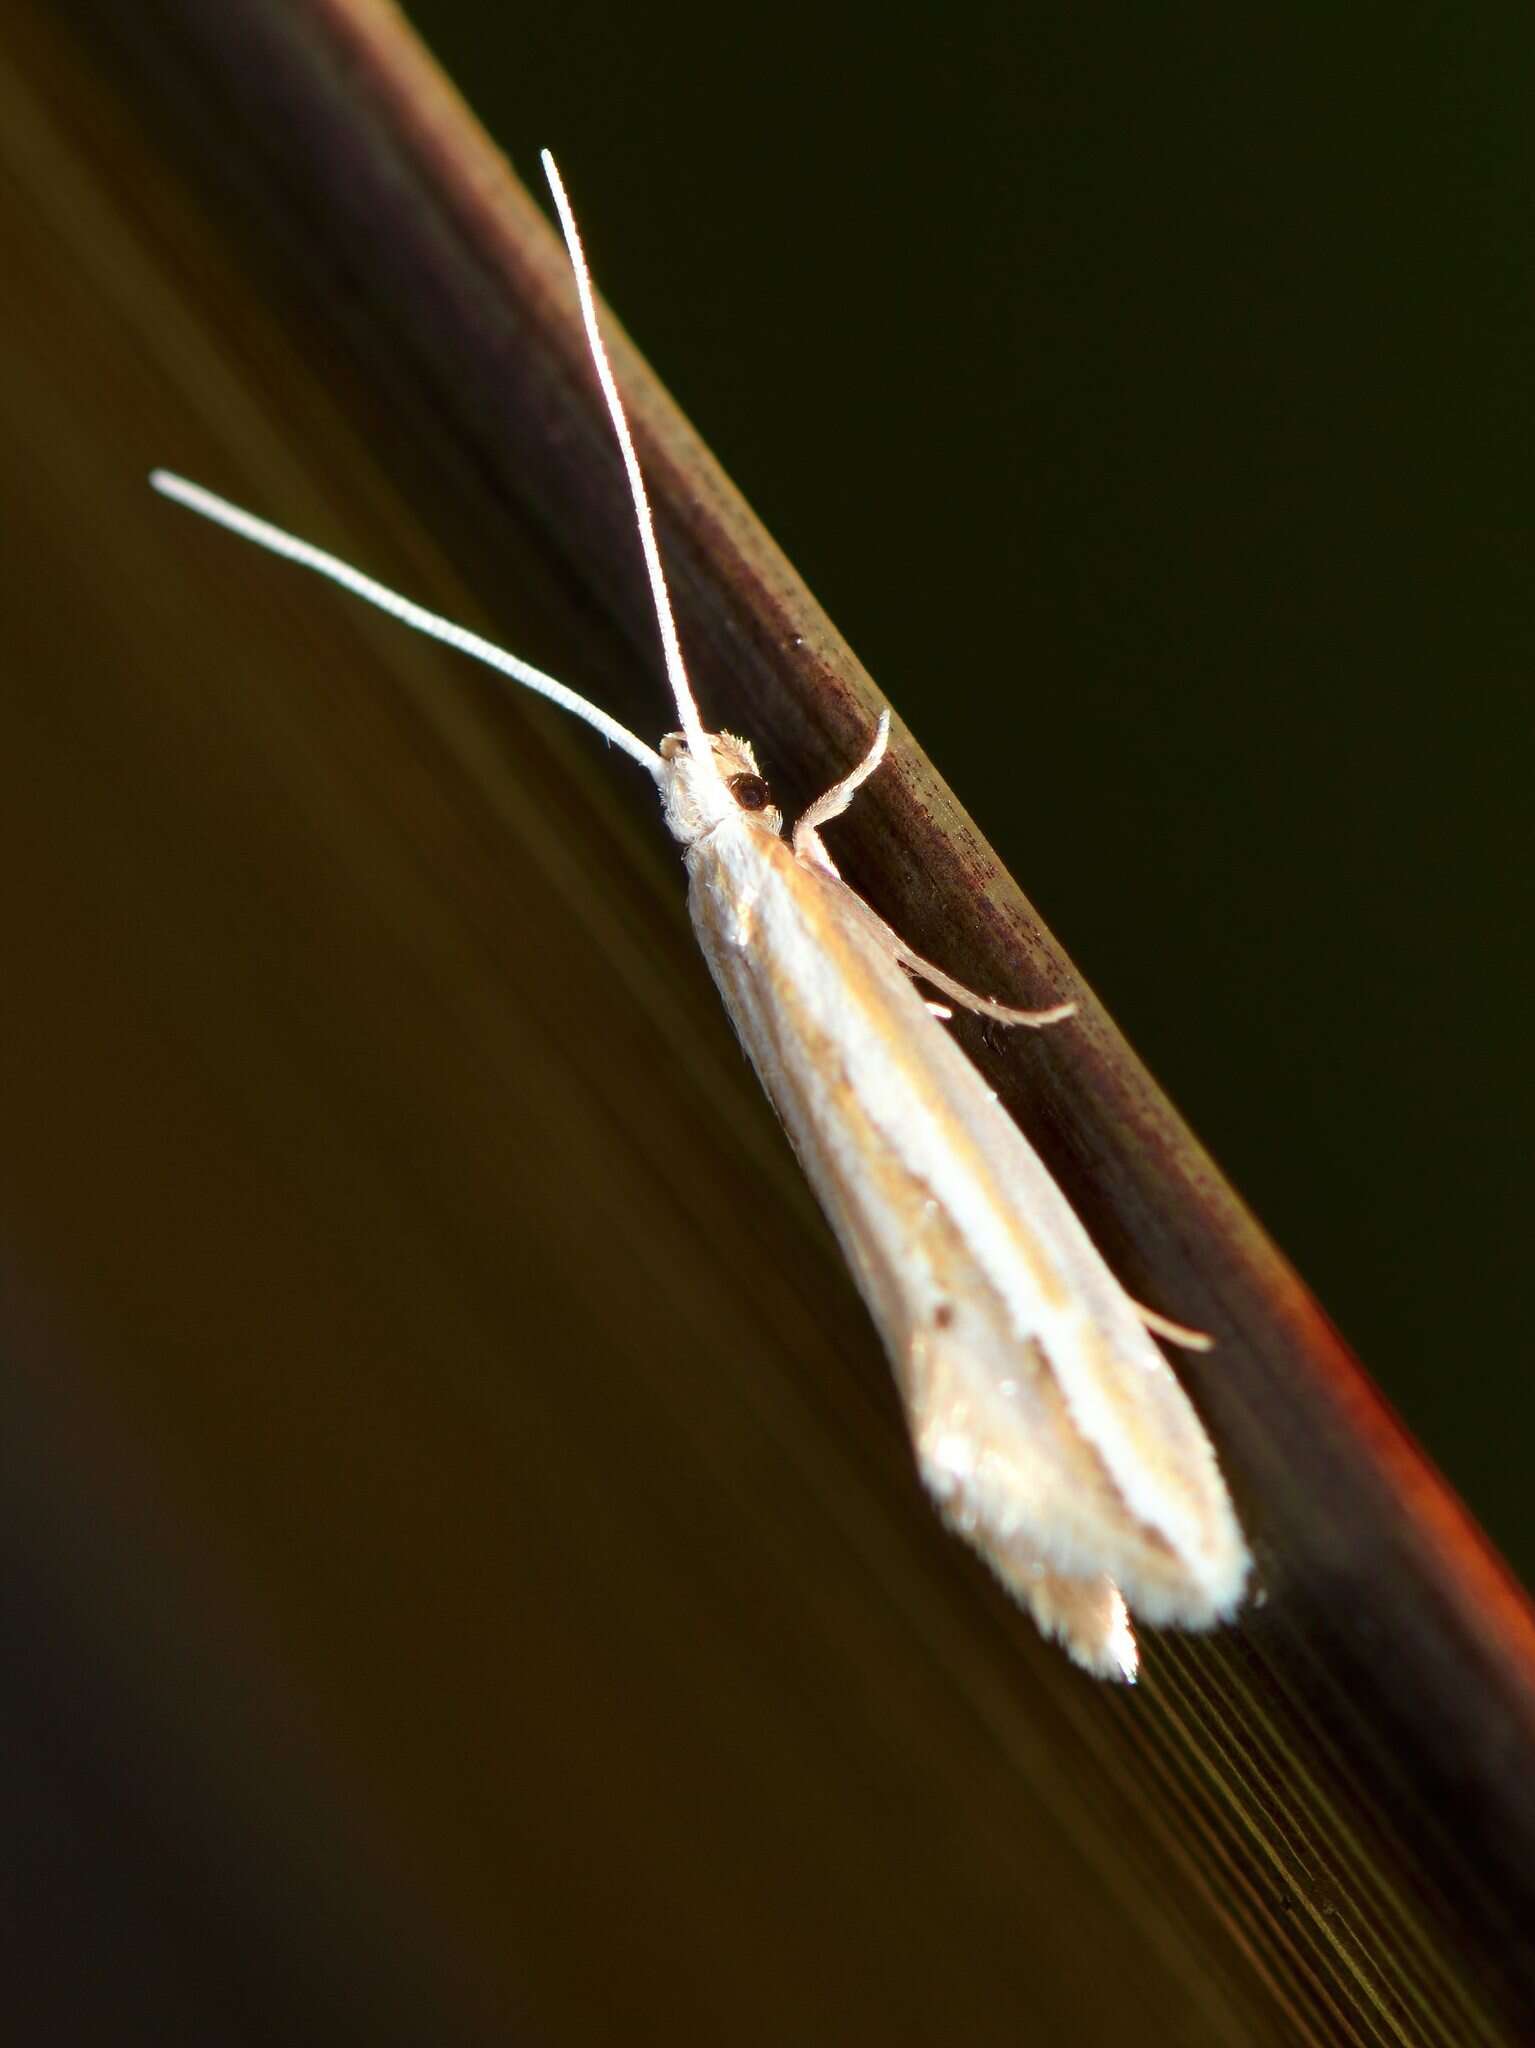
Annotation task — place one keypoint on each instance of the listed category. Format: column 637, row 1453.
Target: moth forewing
column 1047, row 1423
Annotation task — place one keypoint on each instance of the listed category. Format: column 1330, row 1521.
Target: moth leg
column 1175, row 1333
column 807, row 838
column 983, row 1006
column 809, row 849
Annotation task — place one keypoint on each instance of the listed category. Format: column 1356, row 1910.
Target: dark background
column 1185, row 356
column 424, row 1620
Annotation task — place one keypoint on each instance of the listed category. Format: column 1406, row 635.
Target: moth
column 1047, row 1424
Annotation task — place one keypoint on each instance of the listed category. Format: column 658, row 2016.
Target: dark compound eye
column 750, row 792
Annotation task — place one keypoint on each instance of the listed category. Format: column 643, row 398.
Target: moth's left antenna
column 249, row 527
column 676, row 673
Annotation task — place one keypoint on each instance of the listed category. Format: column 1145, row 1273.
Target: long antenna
column 677, row 675
column 211, row 506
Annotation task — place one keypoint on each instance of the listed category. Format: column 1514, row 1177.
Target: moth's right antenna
column 677, row 675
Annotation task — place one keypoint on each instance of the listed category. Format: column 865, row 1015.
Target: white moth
column 1047, row 1424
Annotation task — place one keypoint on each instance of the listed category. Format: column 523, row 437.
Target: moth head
column 696, row 801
